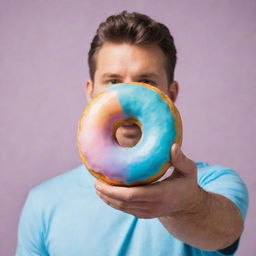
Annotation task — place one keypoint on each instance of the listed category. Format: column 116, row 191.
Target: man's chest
column 89, row 227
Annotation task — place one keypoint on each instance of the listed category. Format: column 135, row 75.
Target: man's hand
column 177, row 194
column 203, row 220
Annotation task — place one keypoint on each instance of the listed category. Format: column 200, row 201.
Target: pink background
column 43, row 67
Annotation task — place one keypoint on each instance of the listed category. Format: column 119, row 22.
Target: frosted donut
column 149, row 159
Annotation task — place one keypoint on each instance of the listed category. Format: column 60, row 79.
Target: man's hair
column 136, row 29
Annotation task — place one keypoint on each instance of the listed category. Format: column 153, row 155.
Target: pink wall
column 43, row 68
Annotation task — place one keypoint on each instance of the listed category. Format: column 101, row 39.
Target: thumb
column 180, row 162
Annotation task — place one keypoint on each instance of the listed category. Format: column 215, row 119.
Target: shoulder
column 41, row 204
column 56, row 188
column 209, row 173
column 58, row 182
column 224, row 181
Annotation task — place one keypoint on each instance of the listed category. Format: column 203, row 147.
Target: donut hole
column 127, row 133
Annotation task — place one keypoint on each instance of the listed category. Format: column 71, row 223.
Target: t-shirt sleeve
column 30, row 231
column 226, row 182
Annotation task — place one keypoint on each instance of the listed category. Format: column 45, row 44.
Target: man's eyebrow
column 110, row 75
column 149, row 75
column 143, row 75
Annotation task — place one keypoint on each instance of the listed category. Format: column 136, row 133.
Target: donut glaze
column 149, row 159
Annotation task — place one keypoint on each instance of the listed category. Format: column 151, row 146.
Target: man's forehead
column 126, row 60
column 124, row 52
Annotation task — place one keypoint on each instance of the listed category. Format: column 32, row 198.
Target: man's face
column 124, row 63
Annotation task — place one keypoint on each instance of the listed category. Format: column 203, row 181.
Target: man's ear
column 173, row 90
column 88, row 90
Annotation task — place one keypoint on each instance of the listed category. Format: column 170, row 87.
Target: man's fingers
column 139, row 193
column 123, row 205
column 180, row 162
column 137, row 209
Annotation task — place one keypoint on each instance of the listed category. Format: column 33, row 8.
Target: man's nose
column 128, row 80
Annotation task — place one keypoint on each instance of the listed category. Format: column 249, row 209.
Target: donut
column 147, row 161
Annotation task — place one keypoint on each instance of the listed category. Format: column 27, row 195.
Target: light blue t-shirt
column 65, row 217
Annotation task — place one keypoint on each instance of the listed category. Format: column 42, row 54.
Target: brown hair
column 134, row 28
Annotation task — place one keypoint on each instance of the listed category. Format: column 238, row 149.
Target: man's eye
column 148, row 82
column 113, row 81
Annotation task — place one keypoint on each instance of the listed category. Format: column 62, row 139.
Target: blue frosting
column 147, row 157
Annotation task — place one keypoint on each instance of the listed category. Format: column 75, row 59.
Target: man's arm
column 30, row 241
column 215, row 223
column 201, row 219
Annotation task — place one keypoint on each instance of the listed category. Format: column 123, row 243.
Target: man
column 198, row 210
